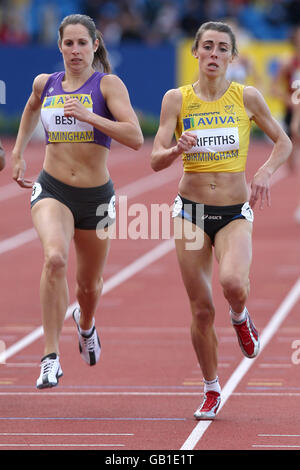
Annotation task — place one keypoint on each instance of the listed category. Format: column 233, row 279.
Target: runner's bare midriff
column 77, row 164
column 219, row 189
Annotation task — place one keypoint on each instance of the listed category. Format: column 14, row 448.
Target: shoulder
column 254, row 101
column 39, row 83
column 171, row 106
column 110, row 81
column 172, row 102
column 173, row 98
column 111, row 78
column 112, row 85
column 250, row 93
column 174, row 93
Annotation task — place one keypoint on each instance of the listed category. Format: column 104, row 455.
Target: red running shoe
column 209, row 407
column 247, row 336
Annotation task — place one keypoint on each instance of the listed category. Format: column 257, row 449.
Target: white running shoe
column 89, row 346
column 50, row 371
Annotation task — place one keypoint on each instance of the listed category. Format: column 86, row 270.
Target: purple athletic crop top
column 59, row 128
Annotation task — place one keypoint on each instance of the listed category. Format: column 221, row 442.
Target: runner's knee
column 89, row 287
column 234, row 287
column 55, row 262
column 203, row 315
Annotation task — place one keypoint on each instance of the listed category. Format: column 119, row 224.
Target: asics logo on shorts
column 211, row 217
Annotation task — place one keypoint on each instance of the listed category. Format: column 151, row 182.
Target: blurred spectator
column 266, row 20
column 242, row 68
column 293, row 12
column 151, row 21
column 285, row 83
column 217, row 9
column 193, row 16
column 165, row 27
column 107, row 17
column 131, row 23
column 13, row 25
column 48, row 21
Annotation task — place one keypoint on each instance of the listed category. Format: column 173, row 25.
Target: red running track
column 143, row 392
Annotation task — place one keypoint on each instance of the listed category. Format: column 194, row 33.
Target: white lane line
column 89, row 418
column 131, row 190
column 275, row 366
column 278, row 435
column 62, row 445
column 21, row 364
column 266, row 394
column 13, row 189
column 143, row 394
column 64, row 434
column 276, row 446
column 140, row 186
column 150, row 182
column 144, row 184
column 17, row 240
column 96, row 394
column 276, row 320
column 123, row 275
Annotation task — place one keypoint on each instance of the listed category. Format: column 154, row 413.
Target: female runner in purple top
column 81, row 109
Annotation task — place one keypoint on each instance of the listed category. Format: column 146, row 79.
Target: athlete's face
column 214, row 53
column 77, row 47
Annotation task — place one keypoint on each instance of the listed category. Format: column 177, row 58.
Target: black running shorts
column 210, row 218
column 91, row 207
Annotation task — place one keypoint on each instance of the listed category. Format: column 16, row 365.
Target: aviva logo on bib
column 60, row 128
column 188, row 123
column 206, row 121
column 59, row 101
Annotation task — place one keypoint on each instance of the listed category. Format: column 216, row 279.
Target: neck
column 211, row 89
column 76, row 78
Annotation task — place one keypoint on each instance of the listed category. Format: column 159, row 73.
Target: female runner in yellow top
column 211, row 120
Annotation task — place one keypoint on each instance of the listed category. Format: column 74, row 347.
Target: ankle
column 212, row 385
column 238, row 317
column 86, row 326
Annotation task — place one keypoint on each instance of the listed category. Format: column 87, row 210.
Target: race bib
column 215, row 140
column 66, row 129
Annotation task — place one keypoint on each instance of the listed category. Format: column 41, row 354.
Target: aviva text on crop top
column 222, row 128
column 59, row 128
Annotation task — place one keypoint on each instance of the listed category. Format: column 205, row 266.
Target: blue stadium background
column 142, row 36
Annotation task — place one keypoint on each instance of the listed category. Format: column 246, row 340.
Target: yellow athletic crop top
column 222, row 128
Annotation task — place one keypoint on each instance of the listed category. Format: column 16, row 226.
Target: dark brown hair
column 216, row 26
column 100, row 61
